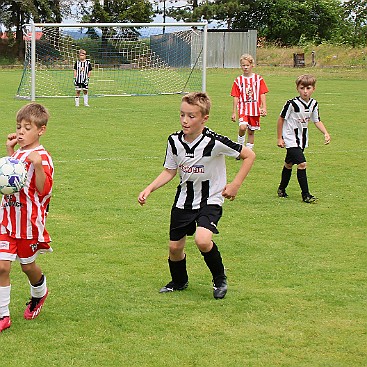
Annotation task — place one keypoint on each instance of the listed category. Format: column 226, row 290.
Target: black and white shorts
column 81, row 86
column 185, row 221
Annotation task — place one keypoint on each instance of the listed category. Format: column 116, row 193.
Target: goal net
column 127, row 59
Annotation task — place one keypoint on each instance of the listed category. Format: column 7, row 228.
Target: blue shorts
column 184, row 221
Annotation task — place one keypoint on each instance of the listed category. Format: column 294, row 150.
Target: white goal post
column 127, row 58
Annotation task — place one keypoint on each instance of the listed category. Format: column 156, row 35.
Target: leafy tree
column 356, row 17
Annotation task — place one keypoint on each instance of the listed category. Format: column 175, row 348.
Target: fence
column 225, row 47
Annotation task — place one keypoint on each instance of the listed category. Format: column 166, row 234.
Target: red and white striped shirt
column 23, row 214
column 248, row 91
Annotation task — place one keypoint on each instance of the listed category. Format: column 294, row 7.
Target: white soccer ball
column 13, row 175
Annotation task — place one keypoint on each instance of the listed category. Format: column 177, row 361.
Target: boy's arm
column 280, row 123
column 40, row 174
column 322, row 128
column 234, row 109
column 231, row 189
column 263, row 109
column 165, row 176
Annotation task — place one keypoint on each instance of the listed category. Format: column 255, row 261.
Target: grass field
column 297, row 272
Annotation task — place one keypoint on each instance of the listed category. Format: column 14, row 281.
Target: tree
column 356, row 16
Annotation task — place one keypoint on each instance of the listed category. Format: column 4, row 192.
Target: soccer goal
column 128, row 59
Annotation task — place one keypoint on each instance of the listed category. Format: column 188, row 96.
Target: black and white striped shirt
column 297, row 114
column 201, row 166
column 82, row 69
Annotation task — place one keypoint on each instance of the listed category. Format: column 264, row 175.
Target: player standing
column 292, row 131
column 82, row 72
column 249, row 101
column 198, row 154
column 22, row 215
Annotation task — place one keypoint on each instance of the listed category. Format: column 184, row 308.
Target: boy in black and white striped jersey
column 82, row 72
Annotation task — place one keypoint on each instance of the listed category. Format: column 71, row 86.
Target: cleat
column 282, row 193
column 5, row 323
column 220, row 288
column 171, row 287
column 86, row 105
column 34, row 307
column 309, row 199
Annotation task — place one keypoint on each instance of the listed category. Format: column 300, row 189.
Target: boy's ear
column 42, row 130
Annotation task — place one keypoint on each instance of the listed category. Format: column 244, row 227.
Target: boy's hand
column 229, row 192
column 233, row 118
column 263, row 112
column 11, row 141
column 281, row 143
column 327, row 138
column 75, row 83
column 143, row 197
column 35, row 158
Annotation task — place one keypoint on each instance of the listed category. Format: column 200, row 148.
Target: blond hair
column 247, row 57
column 33, row 113
column 199, row 99
column 306, row 80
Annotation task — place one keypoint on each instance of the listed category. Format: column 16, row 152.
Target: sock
column 178, row 271
column 39, row 289
column 85, row 99
column 4, row 301
column 241, row 139
column 77, row 101
column 302, row 180
column 249, row 145
column 286, row 176
column 214, row 262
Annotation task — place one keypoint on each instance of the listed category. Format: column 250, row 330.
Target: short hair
column 199, row 99
column 247, row 57
column 306, row 80
column 33, row 113
column 81, row 51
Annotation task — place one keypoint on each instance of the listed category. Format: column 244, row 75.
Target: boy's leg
column 285, row 178
column 77, row 95
column 85, row 96
column 177, row 267
column 38, row 288
column 241, row 132
column 5, row 289
column 303, row 184
column 250, row 138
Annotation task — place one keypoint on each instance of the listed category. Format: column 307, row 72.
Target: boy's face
column 192, row 120
column 82, row 56
column 28, row 134
column 246, row 67
column 305, row 92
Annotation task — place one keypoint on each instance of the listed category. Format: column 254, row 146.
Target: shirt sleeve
column 170, row 161
column 235, row 92
column 263, row 87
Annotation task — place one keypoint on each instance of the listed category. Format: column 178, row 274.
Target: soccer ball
column 13, row 175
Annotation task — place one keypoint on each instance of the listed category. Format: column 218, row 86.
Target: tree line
column 281, row 22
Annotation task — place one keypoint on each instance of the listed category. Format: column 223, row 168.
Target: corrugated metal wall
column 226, row 48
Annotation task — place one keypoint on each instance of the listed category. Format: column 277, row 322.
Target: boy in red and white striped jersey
column 22, row 215
column 249, row 101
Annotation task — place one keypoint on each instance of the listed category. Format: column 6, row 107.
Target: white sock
column 241, row 139
column 249, row 145
column 85, row 99
column 4, row 301
column 40, row 291
column 77, row 101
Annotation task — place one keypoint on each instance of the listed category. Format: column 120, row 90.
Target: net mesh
column 125, row 60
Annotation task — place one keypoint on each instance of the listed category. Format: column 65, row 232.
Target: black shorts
column 80, row 86
column 295, row 156
column 184, row 221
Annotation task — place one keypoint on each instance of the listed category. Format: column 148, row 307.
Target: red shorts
column 23, row 250
column 252, row 122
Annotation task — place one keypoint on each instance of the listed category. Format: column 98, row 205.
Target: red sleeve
column 263, row 88
column 235, row 92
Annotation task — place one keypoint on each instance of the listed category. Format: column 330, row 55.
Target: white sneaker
column 86, row 105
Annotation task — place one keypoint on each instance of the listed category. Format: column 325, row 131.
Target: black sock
column 178, row 271
column 214, row 262
column 40, row 282
column 302, row 180
column 286, row 176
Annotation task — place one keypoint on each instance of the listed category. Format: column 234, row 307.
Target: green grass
column 297, row 272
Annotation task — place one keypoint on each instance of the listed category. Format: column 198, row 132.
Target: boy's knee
column 243, row 128
column 4, row 267
column 302, row 165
